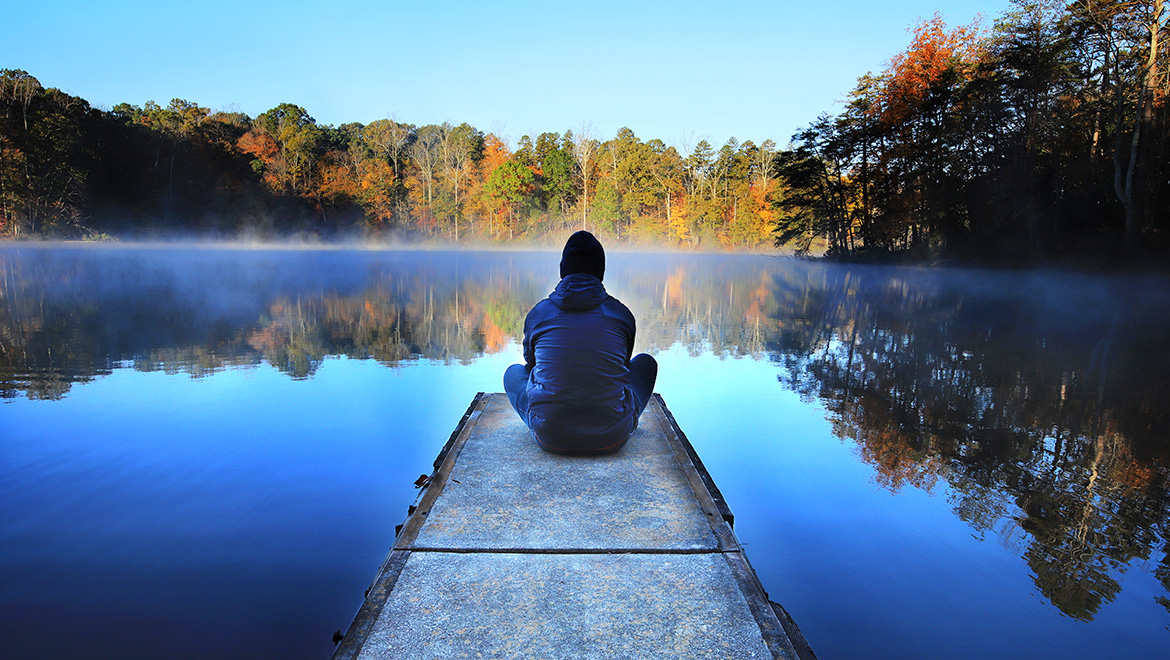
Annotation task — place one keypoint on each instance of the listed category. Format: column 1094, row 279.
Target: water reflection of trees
column 389, row 322
column 72, row 315
column 1040, row 402
column 703, row 304
column 1047, row 422
column 69, row 317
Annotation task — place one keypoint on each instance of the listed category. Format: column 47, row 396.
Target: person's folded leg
column 643, row 375
column 516, row 387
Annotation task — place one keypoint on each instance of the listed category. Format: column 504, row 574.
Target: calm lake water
column 204, row 452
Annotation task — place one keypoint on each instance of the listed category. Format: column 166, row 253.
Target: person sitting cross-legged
column 581, row 389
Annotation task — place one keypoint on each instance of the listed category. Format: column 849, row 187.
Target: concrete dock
column 513, row 552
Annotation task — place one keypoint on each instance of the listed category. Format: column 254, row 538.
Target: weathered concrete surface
column 512, row 552
column 507, row 493
column 504, row 605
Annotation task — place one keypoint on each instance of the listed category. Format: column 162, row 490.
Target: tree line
column 69, row 169
column 1045, row 134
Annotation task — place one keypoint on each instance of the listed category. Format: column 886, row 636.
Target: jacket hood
column 578, row 291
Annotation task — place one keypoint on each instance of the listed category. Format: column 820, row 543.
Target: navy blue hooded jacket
column 578, row 343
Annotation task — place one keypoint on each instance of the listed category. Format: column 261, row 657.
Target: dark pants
column 643, row 374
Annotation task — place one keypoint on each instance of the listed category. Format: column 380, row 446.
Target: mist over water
column 205, row 451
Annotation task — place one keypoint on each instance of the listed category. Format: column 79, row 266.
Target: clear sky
column 678, row 71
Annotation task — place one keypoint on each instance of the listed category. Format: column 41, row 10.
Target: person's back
column 579, row 390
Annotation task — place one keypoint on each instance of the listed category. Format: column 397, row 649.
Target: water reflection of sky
column 158, row 515
column 247, row 507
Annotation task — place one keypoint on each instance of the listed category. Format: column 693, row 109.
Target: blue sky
column 677, row 71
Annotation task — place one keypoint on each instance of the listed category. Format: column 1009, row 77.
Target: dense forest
column 67, row 169
column 1042, row 135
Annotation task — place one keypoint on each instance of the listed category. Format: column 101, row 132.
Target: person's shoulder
column 541, row 310
column 616, row 308
column 611, row 300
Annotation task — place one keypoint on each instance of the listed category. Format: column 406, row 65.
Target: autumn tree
column 42, row 157
column 286, row 142
column 584, row 147
column 480, row 203
column 427, row 159
column 551, row 159
column 17, row 91
column 1141, row 112
column 667, row 171
column 818, row 202
column 510, row 187
column 387, row 140
column 459, row 147
column 632, row 166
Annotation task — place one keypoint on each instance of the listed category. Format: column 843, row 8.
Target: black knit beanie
column 583, row 254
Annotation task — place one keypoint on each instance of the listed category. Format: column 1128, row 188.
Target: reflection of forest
column 1039, row 401
column 68, row 317
column 1047, row 420
column 71, row 315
